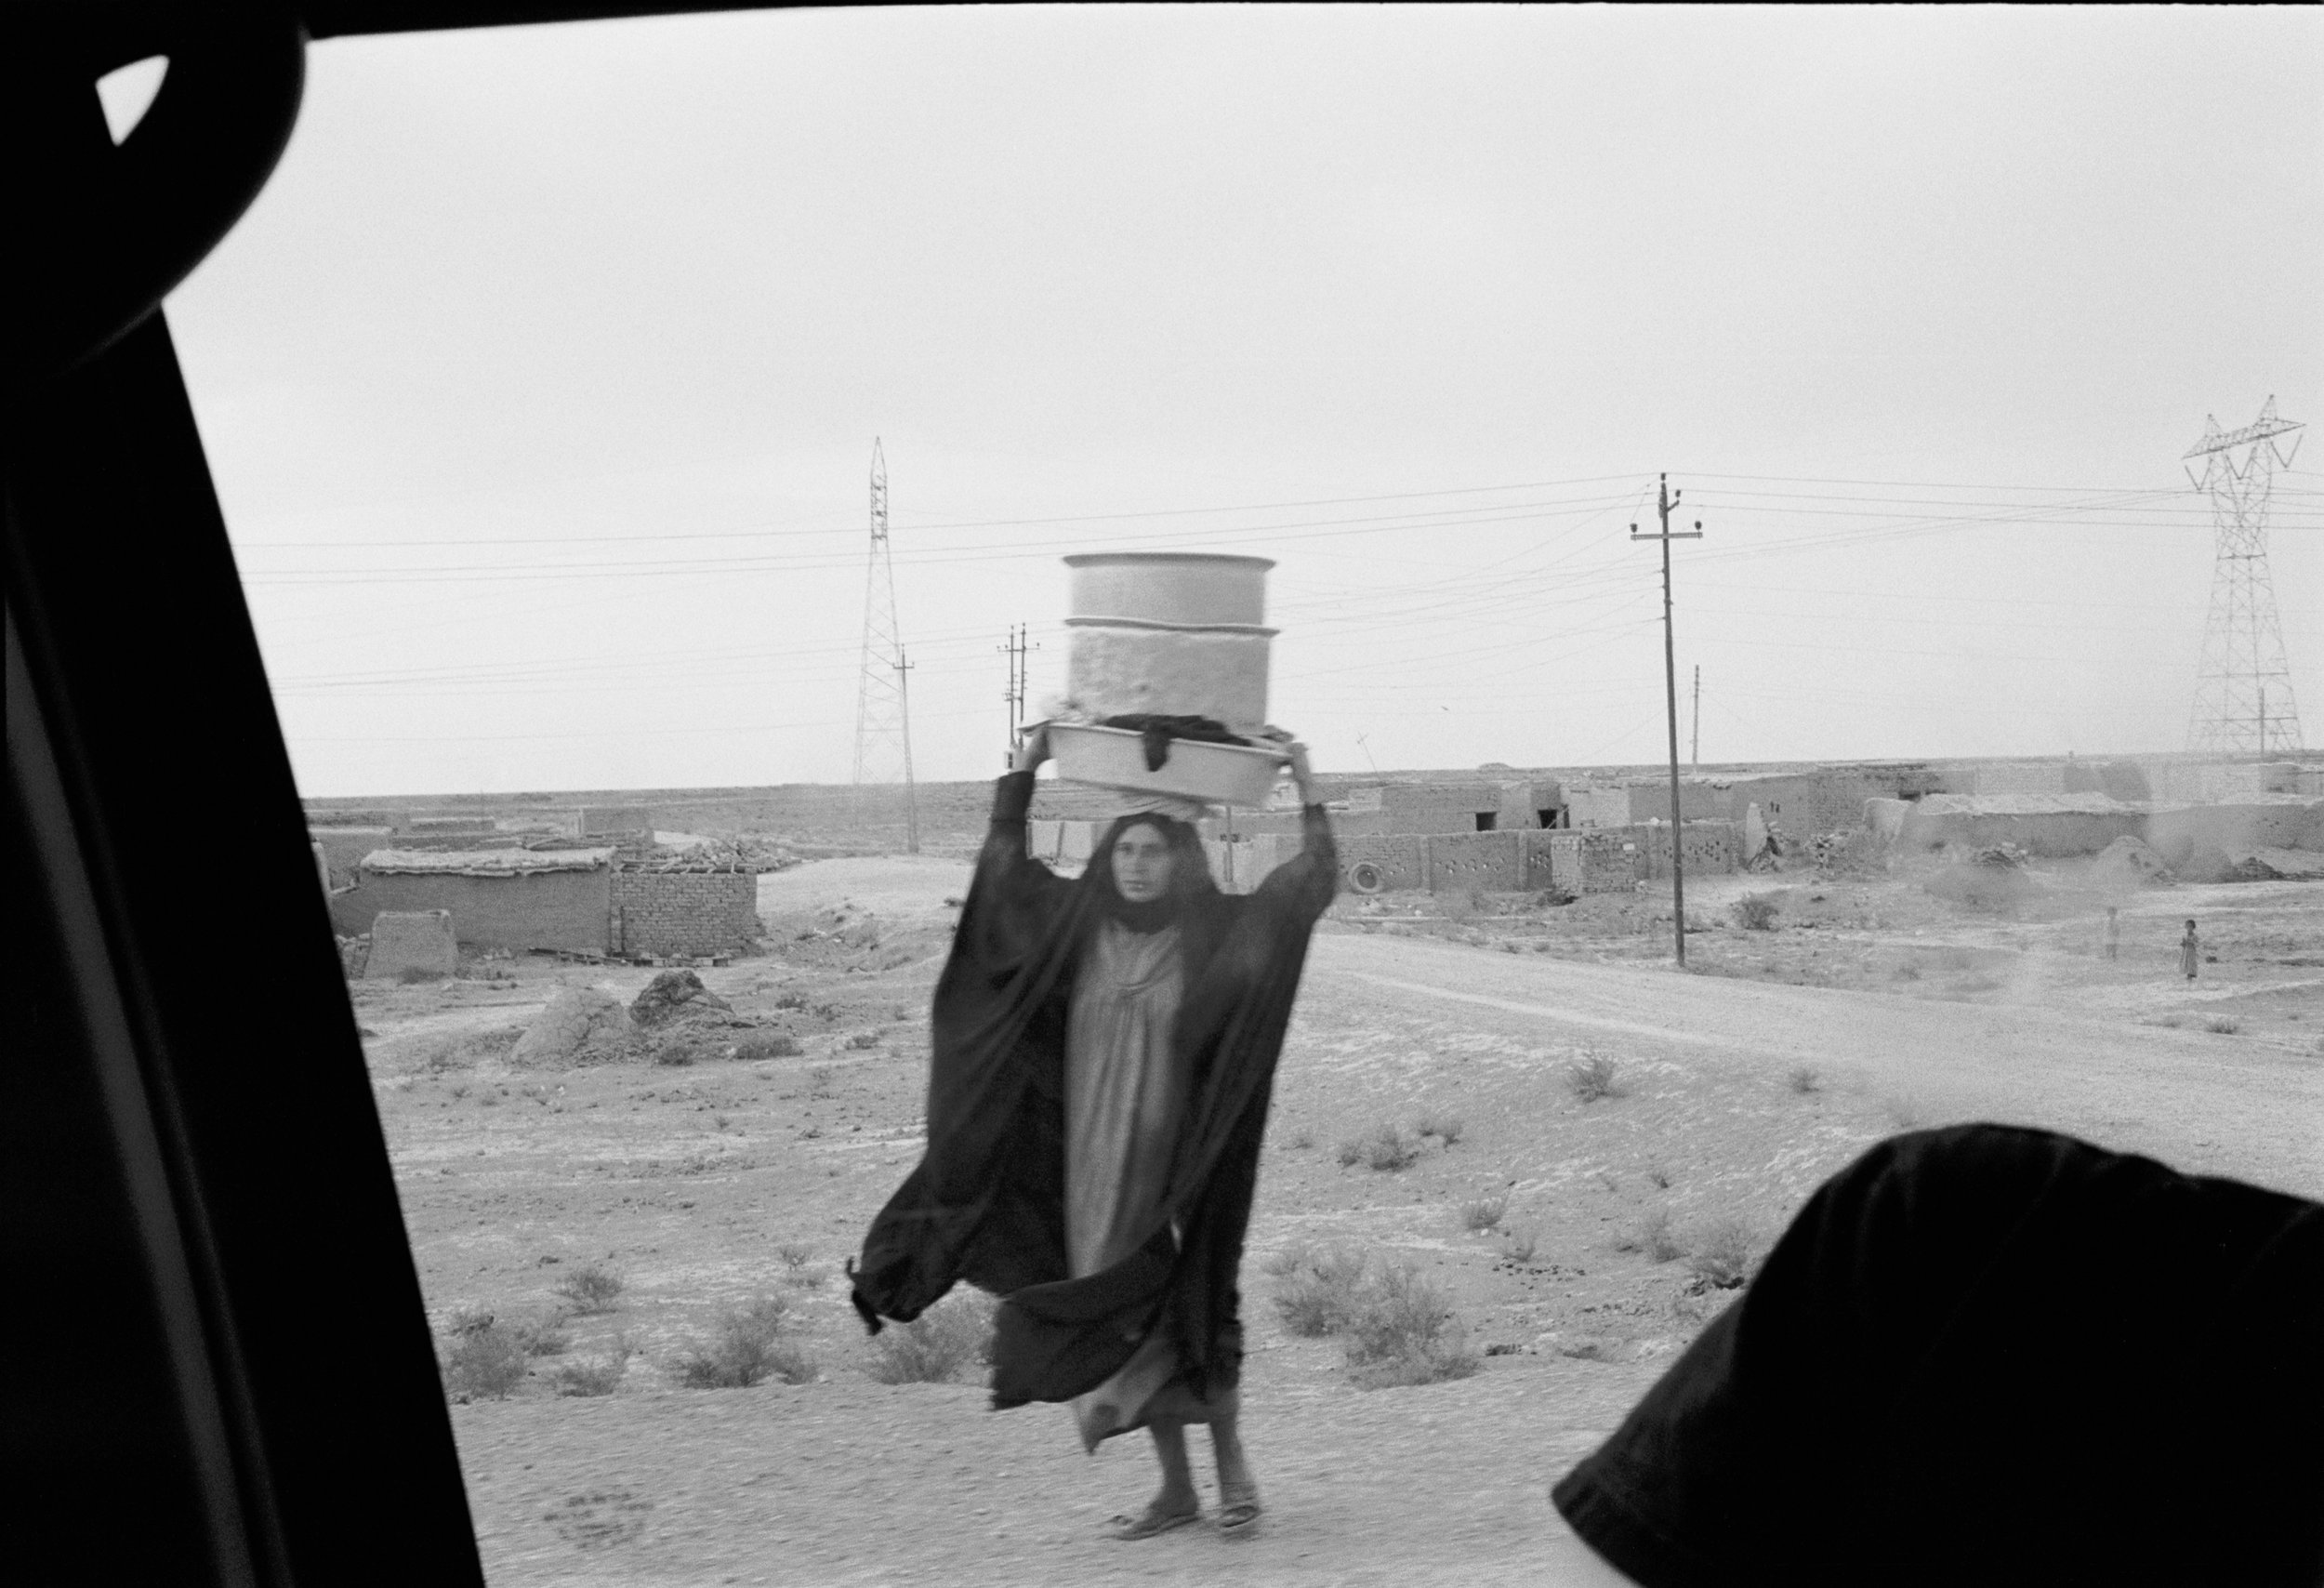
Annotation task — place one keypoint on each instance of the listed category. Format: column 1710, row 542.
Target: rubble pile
column 672, row 995
column 580, row 1023
column 715, row 854
column 1990, row 878
column 2128, row 862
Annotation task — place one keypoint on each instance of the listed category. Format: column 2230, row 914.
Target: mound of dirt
column 1991, row 878
column 2128, row 862
column 2209, row 863
column 577, row 1020
column 671, row 994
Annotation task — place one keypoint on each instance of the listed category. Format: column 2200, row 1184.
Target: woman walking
column 1104, row 1049
column 2190, row 952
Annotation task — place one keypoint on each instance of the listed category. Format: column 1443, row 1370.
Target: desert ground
column 1868, row 1006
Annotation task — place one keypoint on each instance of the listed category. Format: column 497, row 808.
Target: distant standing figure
column 2114, row 933
column 2190, row 952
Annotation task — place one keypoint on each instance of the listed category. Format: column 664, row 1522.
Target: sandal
column 1147, row 1523
column 1239, row 1510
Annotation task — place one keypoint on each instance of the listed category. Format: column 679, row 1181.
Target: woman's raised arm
column 1305, row 883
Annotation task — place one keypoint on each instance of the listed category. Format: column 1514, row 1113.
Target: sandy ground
column 1738, row 1090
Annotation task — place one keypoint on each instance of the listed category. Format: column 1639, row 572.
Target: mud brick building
column 510, row 899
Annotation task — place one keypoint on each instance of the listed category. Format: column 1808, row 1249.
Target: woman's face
column 1141, row 864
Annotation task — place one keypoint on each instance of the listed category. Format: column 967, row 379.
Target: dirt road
column 2194, row 1100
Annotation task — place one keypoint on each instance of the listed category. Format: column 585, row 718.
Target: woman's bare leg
column 1238, row 1491
column 1177, row 1496
column 1176, row 1503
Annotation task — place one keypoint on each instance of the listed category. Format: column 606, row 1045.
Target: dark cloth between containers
column 985, row 1204
column 1995, row 1356
column 1158, row 730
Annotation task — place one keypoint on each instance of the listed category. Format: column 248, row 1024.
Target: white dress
column 1123, row 1103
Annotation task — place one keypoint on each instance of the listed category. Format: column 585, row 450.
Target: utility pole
column 911, row 794
column 1695, row 756
column 1666, row 500
column 1014, row 694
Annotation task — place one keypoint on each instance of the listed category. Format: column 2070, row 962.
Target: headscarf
column 1190, row 875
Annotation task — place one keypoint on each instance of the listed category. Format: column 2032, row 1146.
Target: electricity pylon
column 883, row 716
column 2243, row 700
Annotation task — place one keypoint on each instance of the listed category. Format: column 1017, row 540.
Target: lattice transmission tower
column 883, row 699
column 2243, row 700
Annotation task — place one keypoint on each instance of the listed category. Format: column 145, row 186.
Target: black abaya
column 985, row 1205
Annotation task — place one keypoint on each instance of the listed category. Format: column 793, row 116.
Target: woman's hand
column 1295, row 753
column 1032, row 749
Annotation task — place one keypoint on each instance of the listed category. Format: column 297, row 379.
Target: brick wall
column 1492, row 863
column 548, row 909
column 1587, row 862
column 1708, row 847
column 684, row 912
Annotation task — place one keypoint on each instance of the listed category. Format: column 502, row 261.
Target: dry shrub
column 1397, row 1326
column 1282, row 1264
column 593, row 1375
column 938, row 1343
column 591, row 1289
column 1389, row 1149
column 794, row 1254
column 1756, row 912
column 413, row 975
column 1655, row 1238
column 864, row 1040
column 544, row 1336
column 442, row 1054
column 486, row 1359
column 1319, row 1292
column 1404, row 1334
column 1723, row 1258
column 746, row 1348
column 1445, row 1128
column 1592, row 1079
column 1484, row 1212
column 1520, row 1246
column 766, row 1045
column 1804, row 1079
column 1350, row 1152
column 2223, row 1025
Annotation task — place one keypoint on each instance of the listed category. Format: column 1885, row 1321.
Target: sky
column 540, row 384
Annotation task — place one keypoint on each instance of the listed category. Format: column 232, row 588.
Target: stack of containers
column 1171, row 634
